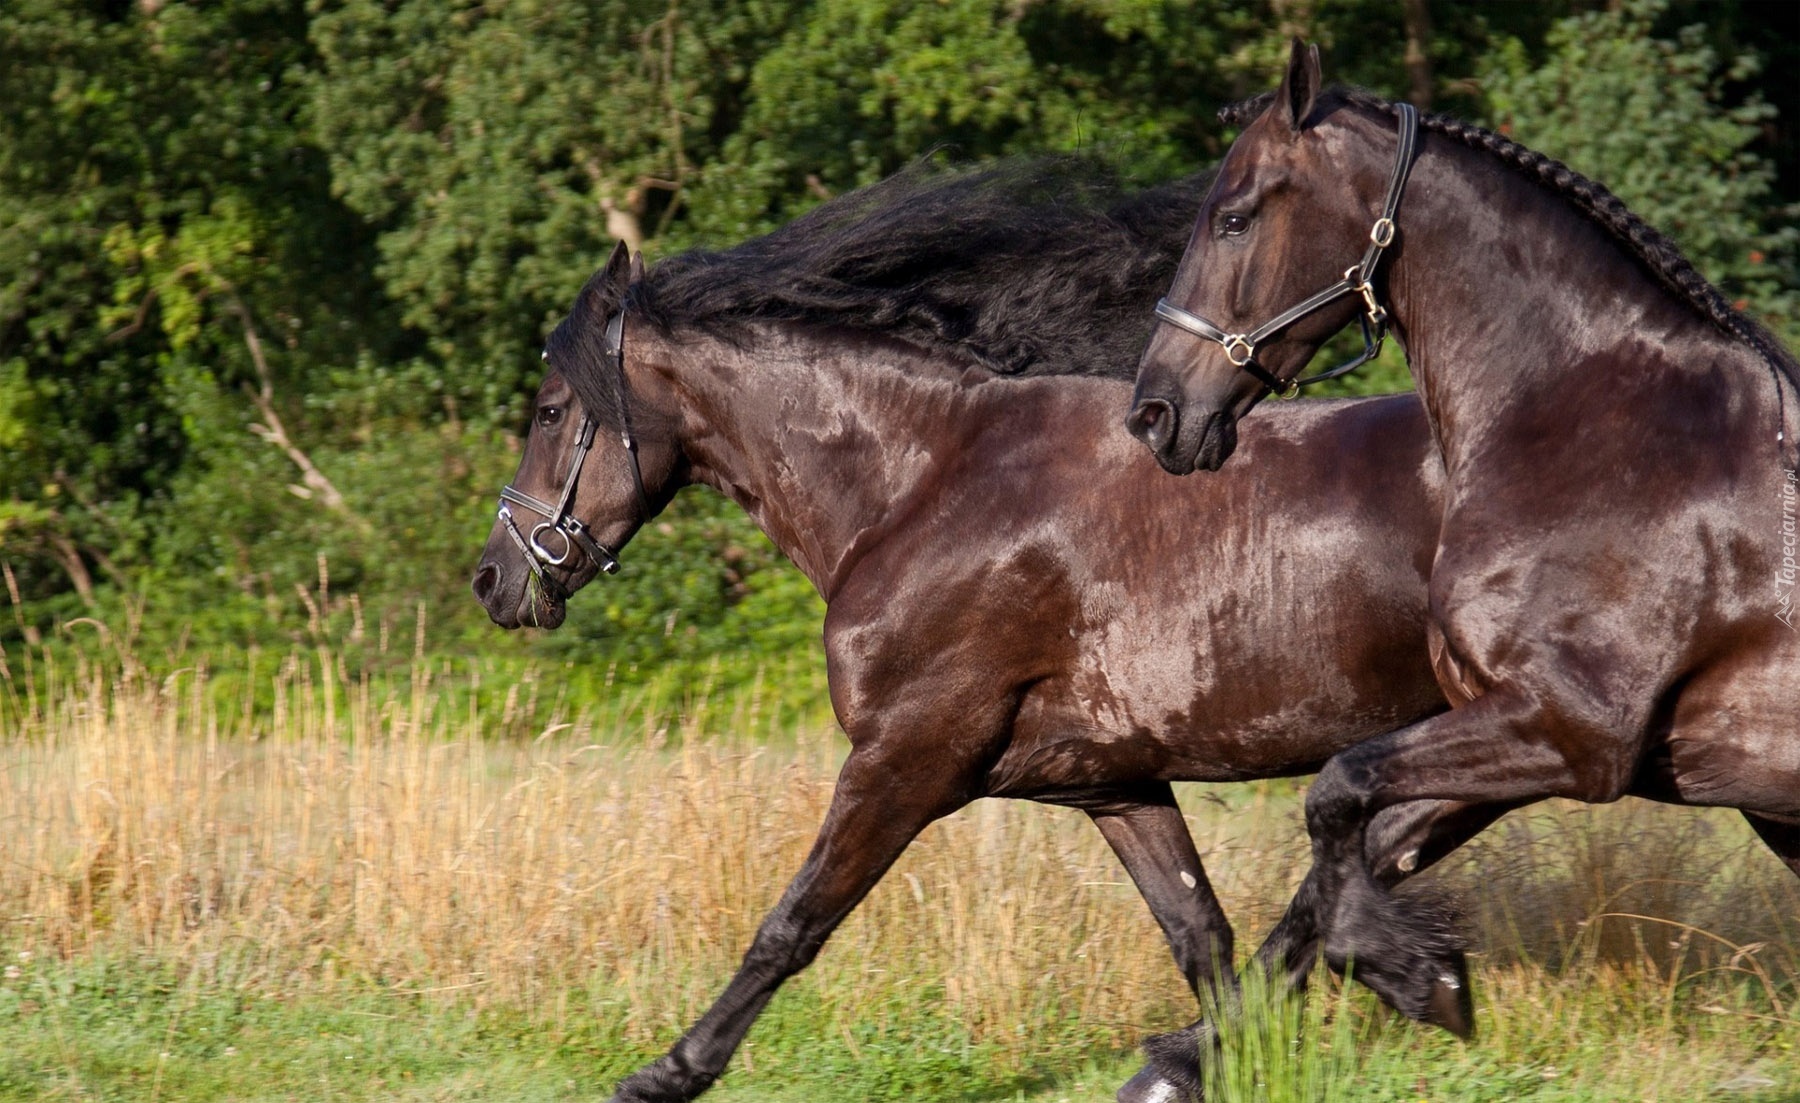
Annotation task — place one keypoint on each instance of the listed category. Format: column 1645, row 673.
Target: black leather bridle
column 560, row 518
column 1240, row 348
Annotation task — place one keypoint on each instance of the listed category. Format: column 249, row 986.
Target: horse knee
column 1341, row 792
column 781, row 948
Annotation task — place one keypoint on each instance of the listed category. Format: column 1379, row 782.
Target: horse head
column 586, row 481
column 1291, row 206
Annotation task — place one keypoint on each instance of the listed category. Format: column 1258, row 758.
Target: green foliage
column 1277, row 1046
column 860, row 87
column 498, row 149
column 273, row 273
column 1653, row 119
column 157, row 205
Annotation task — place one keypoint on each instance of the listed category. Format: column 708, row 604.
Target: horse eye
column 549, row 415
column 1234, row 223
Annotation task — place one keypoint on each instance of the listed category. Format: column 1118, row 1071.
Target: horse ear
column 613, row 278
column 606, row 287
column 637, row 266
column 1300, row 86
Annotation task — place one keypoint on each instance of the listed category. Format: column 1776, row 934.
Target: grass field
column 360, row 893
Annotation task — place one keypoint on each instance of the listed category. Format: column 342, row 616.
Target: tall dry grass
column 357, row 837
column 362, row 835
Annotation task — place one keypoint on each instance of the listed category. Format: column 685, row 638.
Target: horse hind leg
column 1146, row 830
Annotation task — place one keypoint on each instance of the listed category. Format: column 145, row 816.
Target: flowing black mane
column 1661, row 256
column 1046, row 266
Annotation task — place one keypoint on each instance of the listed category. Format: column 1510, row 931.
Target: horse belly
column 1062, row 744
column 1734, row 733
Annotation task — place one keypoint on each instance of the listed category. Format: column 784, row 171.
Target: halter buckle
column 1373, row 308
column 1358, row 279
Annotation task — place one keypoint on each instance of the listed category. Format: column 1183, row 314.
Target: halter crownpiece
column 1240, row 348
column 559, row 519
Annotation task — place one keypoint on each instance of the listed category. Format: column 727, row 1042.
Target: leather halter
column 560, row 519
column 1240, row 348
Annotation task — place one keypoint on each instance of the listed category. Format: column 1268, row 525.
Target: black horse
column 1019, row 603
column 1611, row 593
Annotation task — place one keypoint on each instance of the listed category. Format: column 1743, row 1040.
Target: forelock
column 577, row 348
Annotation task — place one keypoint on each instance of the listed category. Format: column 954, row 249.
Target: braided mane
column 1040, row 266
column 1661, row 256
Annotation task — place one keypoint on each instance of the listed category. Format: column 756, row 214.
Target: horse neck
column 822, row 438
column 1510, row 302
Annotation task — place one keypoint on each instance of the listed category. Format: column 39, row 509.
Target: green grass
column 148, row 1030
column 141, row 1031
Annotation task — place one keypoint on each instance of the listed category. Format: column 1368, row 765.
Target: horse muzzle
column 518, row 598
column 1183, row 443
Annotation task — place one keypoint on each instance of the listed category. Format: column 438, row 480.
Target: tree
column 175, row 273
column 1651, row 119
column 274, row 273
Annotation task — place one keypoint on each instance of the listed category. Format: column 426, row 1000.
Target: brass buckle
column 1377, row 314
column 1235, row 343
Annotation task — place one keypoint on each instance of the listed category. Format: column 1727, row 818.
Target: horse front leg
column 1505, row 749
column 884, row 797
column 1403, row 840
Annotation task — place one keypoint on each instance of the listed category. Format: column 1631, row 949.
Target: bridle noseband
column 560, row 518
column 1240, row 348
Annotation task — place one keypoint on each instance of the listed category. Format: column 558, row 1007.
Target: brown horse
column 1019, row 603
column 1611, row 592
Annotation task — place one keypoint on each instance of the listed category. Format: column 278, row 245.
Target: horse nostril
column 487, row 576
column 1153, row 422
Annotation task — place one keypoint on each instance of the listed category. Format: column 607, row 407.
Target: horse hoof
column 1451, row 1005
column 1149, row 1086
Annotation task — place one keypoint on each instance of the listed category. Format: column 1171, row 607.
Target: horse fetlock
column 667, row 1079
column 1175, row 1063
column 1150, row 1086
column 1407, row 950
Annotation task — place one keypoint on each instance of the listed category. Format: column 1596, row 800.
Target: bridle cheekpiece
column 559, row 519
column 1240, row 348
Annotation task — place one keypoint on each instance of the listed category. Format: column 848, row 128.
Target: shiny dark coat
column 1610, row 590
column 1019, row 603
